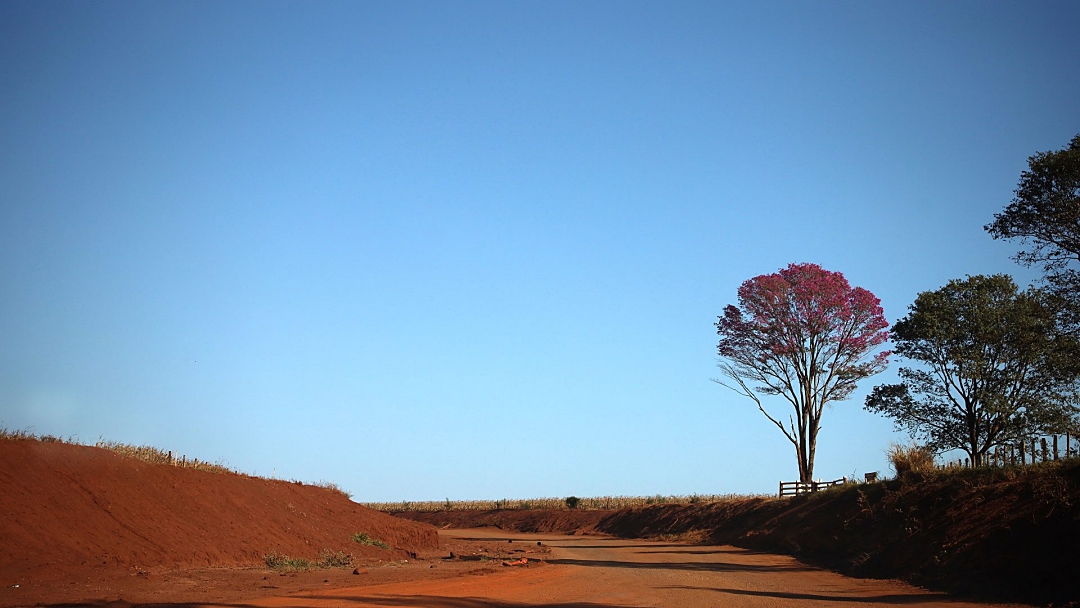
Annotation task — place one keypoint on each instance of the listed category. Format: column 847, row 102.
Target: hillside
column 72, row 508
column 997, row 534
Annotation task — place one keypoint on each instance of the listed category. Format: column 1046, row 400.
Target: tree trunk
column 800, row 455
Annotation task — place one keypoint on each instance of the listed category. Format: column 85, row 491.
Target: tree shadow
column 688, row 566
column 895, row 598
column 402, row 601
column 649, row 546
column 718, row 551
column 435, row 601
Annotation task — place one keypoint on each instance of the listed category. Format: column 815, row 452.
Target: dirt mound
column 70, row 508
column 524, row 520
column 1008, row 535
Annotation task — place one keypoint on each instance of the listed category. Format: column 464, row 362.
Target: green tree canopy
column 995, row 367
column 1045, row 216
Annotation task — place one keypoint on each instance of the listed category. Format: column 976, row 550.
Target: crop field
column 572, row 502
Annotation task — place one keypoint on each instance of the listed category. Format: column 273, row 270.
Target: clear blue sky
column 476, row 250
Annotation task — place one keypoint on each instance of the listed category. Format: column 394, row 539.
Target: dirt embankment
column 1012, row 536
column 71, row 508
column 527, row 521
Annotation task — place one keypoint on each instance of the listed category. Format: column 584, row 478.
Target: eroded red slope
column 66, row 508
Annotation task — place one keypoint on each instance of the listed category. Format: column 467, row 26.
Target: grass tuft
column 364, row 539
column 16, row 435
column 333, row 487
column 276, row 561
column 330, row 559
column 326, row 559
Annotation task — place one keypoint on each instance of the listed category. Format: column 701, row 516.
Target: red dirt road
column 597, row 572
column 83, row 526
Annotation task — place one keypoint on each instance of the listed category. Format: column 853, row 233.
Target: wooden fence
column 1029, row 451
column 794, row 488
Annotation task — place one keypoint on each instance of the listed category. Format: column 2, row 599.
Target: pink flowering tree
column 805, row 334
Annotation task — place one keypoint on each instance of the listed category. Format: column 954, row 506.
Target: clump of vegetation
column 910, row 461
column 364, row 539
column 333, row 487
column 331, row 559
column 693, row 537
column 147, row 453
column 326, row 559
column 8, row 435
column 24, row 435
column 276, row 561
column 572, row 502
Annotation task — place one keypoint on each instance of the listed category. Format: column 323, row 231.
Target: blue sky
column 476, row 250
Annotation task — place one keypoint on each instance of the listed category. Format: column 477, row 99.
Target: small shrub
column 911, row 460
column 572, row 502
column 696, row 536
column 364, row 539
column 274, row 561
column 330, row 559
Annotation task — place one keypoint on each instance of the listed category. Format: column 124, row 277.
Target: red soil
column 1003, row 535
column 73, row 511
column 85, row 526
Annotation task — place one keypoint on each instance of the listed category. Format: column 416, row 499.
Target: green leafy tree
column 996, row 367
column 1045, row 216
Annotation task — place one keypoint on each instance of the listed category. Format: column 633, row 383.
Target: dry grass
column 154, row 455
column 911, row 460
column 692, row 537
column 326, row 559
column 547, row 504
column 276, row 561
column 151, row 455
column 8, row 435
column 333, row 487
